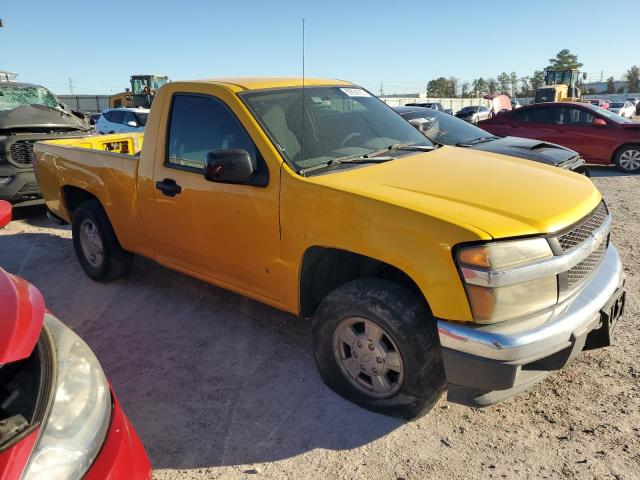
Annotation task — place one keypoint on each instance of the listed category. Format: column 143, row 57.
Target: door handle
column 169, row 187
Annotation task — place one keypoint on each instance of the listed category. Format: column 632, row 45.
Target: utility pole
column 70, row 86
column 381, row 90
column 602, row 75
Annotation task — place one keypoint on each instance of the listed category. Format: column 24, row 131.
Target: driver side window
column 199, row 124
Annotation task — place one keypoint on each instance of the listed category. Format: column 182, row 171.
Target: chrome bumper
column 489, row 363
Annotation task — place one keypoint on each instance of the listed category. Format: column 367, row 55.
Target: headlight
column 493, row 296
column 77, row 424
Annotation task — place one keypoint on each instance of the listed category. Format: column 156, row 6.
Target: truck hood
column 481, row 191
column 535, row 150
column 39, row 116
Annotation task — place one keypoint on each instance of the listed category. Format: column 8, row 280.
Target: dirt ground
column 219, row 386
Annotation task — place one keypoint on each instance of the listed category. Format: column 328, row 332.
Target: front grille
column 570, row 280
column 588, row 265
column 22, row 152
column 581, row 232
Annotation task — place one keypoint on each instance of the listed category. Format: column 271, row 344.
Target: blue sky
column 399, row 44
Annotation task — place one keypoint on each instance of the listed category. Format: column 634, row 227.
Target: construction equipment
column 143, row 89
column 560, row 86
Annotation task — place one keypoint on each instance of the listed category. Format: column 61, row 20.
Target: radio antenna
column 303, row 100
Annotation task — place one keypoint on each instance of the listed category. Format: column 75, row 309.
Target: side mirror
column 422, row 124
column 132, row 124
column 5, row 213
column 229, row 166
column 598, row 122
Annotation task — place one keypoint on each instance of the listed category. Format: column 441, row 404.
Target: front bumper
column 486, row 364
column 122, row 455
column 20, row 187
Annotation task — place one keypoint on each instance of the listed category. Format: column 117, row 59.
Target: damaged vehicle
column 447, row 130
column 59, row 416
column 29, row 113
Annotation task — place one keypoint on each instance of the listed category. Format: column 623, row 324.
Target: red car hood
column 21, row 317
column 22, row 310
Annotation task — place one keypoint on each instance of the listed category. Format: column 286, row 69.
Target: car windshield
column 14, row 97
column 338, row 122
column 616, row 105
column 468, row 109
column 446, row 129
column 142, row 118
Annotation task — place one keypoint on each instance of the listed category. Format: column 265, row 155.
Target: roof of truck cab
column 259, row 83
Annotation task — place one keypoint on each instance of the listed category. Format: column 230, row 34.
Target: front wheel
column 376, row 344
column 627, row 159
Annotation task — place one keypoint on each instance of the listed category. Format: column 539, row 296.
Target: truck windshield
column 338, row 122
column 14, row 97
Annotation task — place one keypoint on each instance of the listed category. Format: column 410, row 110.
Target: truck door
column 225, row 233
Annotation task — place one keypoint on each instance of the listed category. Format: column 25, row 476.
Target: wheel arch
column 73, row 196
column 323, row 269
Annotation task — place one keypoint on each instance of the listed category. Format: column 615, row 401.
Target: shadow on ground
column 207, row 377
column 607, row 171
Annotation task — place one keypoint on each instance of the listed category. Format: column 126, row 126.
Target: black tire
column 407, row 320
column 623, row 161
column 115, row 262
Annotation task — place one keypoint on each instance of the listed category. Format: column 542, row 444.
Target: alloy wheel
column 368, row 357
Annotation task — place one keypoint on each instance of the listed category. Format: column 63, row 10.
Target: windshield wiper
column 411, row 147
column 475, row 141
column 359, row 158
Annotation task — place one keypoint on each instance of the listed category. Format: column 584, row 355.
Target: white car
column 122, row 120
column 624, row 109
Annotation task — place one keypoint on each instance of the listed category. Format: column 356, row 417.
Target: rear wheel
column 627, row 159
column 376, row 345
column 96, row 245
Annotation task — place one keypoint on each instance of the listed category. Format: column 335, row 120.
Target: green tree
column 611, row 85
column 479, row 86
column 465, row 89
column 525, row 87
column 503, row 82
column 437, row 87
column 633, row 79
column 492, row 85
column 620, row 90
column 537, row 80
column 564, row 60
column 452, row 87
column 513, row 80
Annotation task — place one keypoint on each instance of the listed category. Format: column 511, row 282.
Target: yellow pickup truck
column 422, row 267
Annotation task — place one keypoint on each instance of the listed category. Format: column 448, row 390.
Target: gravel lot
column 219, row 386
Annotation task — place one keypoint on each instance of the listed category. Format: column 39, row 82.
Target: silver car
column 474, row 114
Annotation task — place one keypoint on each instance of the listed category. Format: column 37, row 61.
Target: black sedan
column 445, row 129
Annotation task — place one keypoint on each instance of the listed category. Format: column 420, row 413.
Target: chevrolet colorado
column 423, row 267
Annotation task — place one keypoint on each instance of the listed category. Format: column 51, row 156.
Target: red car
column 598, row 102
column 59, row 417
column 599, row 136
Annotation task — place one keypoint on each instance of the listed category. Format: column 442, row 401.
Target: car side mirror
column 229, row 166
column 598, row 122
column 5, row 213
column 132, row 124
column 422, row 124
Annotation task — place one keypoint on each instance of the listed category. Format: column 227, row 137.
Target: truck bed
column 104, row 166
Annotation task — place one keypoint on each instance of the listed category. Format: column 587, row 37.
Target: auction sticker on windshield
column 355, row 92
